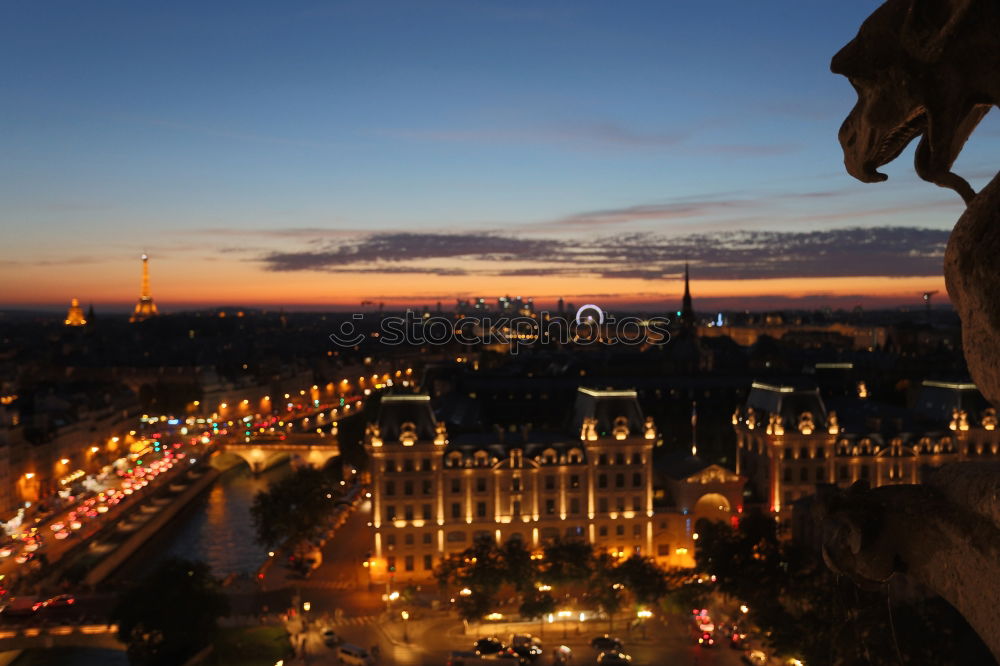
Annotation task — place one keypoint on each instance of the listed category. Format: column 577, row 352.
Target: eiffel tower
column 145, row 308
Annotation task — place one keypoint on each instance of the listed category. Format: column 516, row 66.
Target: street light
column 644, row 615
column 405, row 616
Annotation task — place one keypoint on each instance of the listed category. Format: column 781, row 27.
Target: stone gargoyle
column 931, row 68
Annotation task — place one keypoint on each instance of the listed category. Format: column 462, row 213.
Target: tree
column 171, row 614
column 568, row 562
column 605, row 588
column 644, row 580
column 294, row 509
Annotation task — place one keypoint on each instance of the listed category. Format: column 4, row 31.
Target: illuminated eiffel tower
column 145, row 308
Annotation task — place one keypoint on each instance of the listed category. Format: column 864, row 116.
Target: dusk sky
column 329, row 153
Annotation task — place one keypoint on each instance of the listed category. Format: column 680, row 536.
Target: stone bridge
column 261, row 453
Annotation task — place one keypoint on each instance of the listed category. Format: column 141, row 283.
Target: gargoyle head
column 913, row 66
column 854, row 544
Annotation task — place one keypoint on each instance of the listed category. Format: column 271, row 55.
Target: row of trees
column 807, row 611
column 481, row 572
column 294, row 509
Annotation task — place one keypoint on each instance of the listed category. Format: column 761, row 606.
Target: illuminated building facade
column 433, row 496
column 145, row 307
column 788, row 441
column 74, row 316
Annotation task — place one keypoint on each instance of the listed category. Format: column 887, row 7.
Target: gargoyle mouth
column 895, row 142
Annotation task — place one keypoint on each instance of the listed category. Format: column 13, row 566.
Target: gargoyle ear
column 930, row 26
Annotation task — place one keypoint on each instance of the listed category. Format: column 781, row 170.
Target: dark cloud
column 877, row 251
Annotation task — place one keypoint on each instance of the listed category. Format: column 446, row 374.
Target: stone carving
column 832, row 425
column 440, row 434
column 990, row 418
column 588, row 431
column 408, row 433
column 931, row 68
column 374, row 434
column 923, row 68
column 944, row 533
column 649, row 429
column 774, row 425
column 620, row 427
column 806, row 423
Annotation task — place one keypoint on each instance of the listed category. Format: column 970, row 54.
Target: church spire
column 687, row 309
column 145, row 308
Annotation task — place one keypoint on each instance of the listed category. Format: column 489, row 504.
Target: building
column 594, row 480
column 788, row 440
column 74, row 316
column 145, row 307
column 434, row 496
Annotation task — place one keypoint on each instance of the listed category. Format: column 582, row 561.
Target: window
column 408, row 511
column 787, row 474
column 515, row 484
column 480, row 485
column 517, row 508
column 481, row 509
column 602, row 480
column 620, row 504
column 636, row 503
column 390, row 465
column 390, row 512
column 637, row 479
column 456, row 537
column 574, row 505
column 820, row 474
column 425, row 486
column 550, row 482
column 842, row 472
column 602, row 504
column 550, row 507
column 602, row 531
column 620, row 530
column 456, row 510
column 408, row 488
column 390, row 540
column 391, row 562
column 636, row 458
column 427, row 538
column 408, row 538
column 390, row 488
column 602, row 459
column 619, row 480
column 456, row 485
column 408, row 560
column 619, row 458
column 425, row 464
column 804, row 474
column 425, row 511
column 574, row 481
column 663, row 549
column 407, row 465
column 637, row 531
column 428, row 562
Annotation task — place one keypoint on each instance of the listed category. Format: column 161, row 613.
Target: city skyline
column 329, row 155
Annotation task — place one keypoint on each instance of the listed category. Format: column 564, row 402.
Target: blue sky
column 226, row 137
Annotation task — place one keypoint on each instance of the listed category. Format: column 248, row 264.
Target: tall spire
column 687, row 309
column 145, row 308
